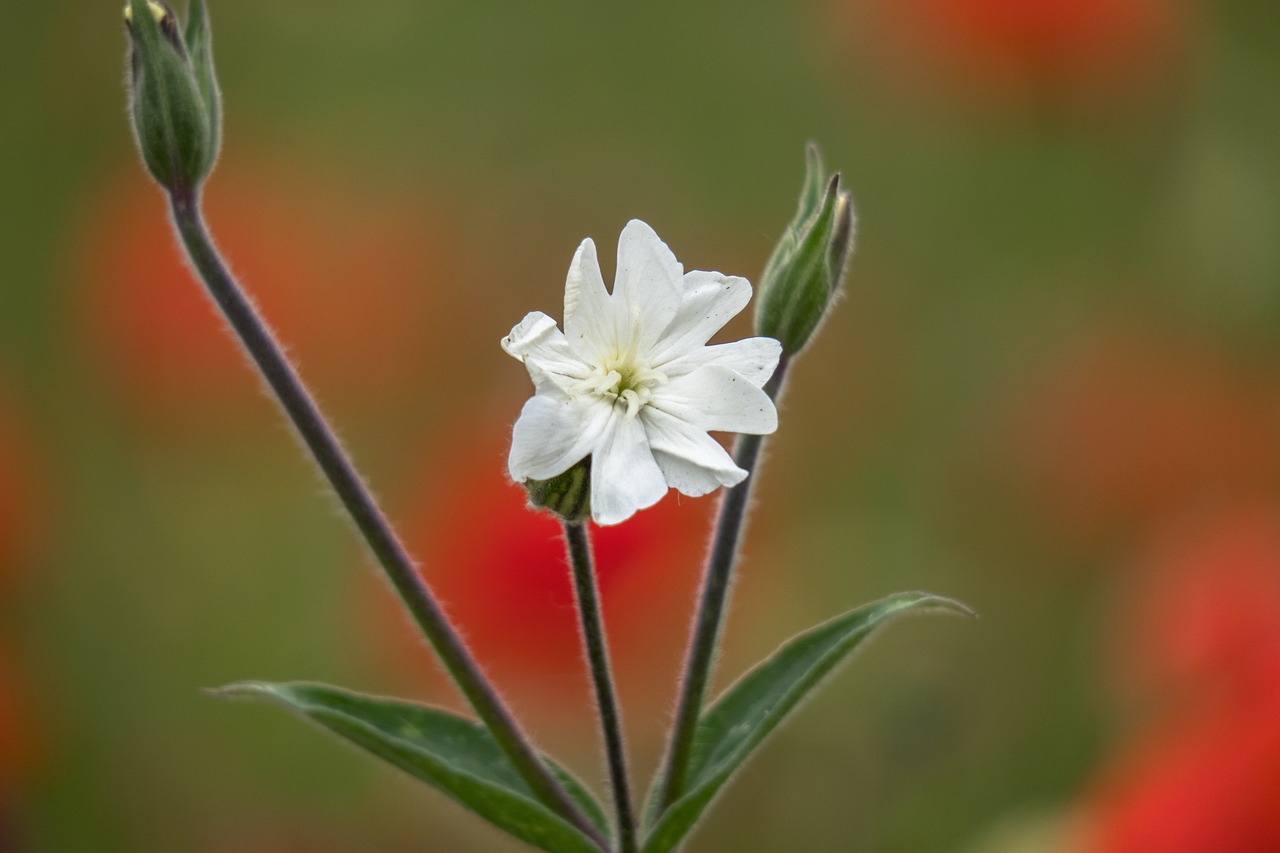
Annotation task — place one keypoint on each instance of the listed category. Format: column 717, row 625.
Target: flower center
column 624, row 383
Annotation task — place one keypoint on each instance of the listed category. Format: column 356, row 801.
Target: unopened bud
column 173, row 93
column 567, row 495
column 804, row 272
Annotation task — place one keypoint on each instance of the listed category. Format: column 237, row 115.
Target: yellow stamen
column 157, row 12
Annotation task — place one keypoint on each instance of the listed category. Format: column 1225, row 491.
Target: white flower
column 632, row 383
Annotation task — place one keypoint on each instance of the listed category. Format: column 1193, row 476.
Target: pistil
column 625, row 383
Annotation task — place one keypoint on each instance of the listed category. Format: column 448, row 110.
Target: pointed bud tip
column 813, row 157
column 842, row 238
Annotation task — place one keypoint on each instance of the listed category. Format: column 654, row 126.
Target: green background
column 1043, row 242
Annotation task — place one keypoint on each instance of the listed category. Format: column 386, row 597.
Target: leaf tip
column 950, row 605
column 242, row 690
column 958, row 607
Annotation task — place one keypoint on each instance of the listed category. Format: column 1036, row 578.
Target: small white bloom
column 632, row 383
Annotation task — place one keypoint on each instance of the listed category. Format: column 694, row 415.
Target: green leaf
column 730, row 730
column 456, row 756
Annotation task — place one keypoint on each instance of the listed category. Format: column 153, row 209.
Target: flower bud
column 173, row 93
column 804, row 272
column 567, row 495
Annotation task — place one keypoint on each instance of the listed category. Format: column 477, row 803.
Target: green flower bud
column 804, row 272
column 173, row 93
column 567, row 495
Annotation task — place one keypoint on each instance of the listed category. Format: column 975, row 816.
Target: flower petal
column 717, row 398
column 624, row 475
column 551, row 435
column 755, row 358
column 588, row 317
column 708, row 300
column 646, row 289
column 691, row 461
column 546, row 352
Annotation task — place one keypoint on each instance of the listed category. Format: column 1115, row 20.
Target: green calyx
column 803, row 274
column 567, row 495
column 173, row 93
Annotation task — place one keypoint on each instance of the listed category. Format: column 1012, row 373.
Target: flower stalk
column 175, row 107
column 593, row 637
column 717, row 579
column 360, row 504
column 797, row 289
column 176, row 112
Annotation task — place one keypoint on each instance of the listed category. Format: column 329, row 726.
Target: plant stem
column 593, row 637
column 359, row 502
column 717, row 578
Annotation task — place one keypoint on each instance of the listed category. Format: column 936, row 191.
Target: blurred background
column 1052, row 391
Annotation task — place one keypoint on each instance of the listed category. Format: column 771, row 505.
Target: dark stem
column 593, row 637
column 716, row 581
column 338, row 469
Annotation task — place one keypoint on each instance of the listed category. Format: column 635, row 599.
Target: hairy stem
column 593, row 637
column 359, row 502
column 716, row 581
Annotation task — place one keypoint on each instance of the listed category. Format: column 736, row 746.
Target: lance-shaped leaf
column 454, row 755
column 729, row 732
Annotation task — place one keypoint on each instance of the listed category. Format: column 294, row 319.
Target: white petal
column 755, row 358
column 588, row 317
column 546, row 352
column 552, row 434
column 527, row 334
column 691, row 461
column 708, row 300
column 716, row 398
column 624, row 475
column 646, row 289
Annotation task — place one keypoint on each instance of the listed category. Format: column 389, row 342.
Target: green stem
column 593, row 637
column 359, row 502
column 717, row 579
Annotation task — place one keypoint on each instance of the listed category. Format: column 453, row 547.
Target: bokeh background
column 1052, row 391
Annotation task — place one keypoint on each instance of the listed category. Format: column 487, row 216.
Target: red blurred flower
column 1202, row 629
column 14, row 509
column 1062, row 49
column 358, row 288
column 21, row 497
column 1128, row 428
column 22, row 515
column 501, row 572
column 1209, row 782
column 1204, row 614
